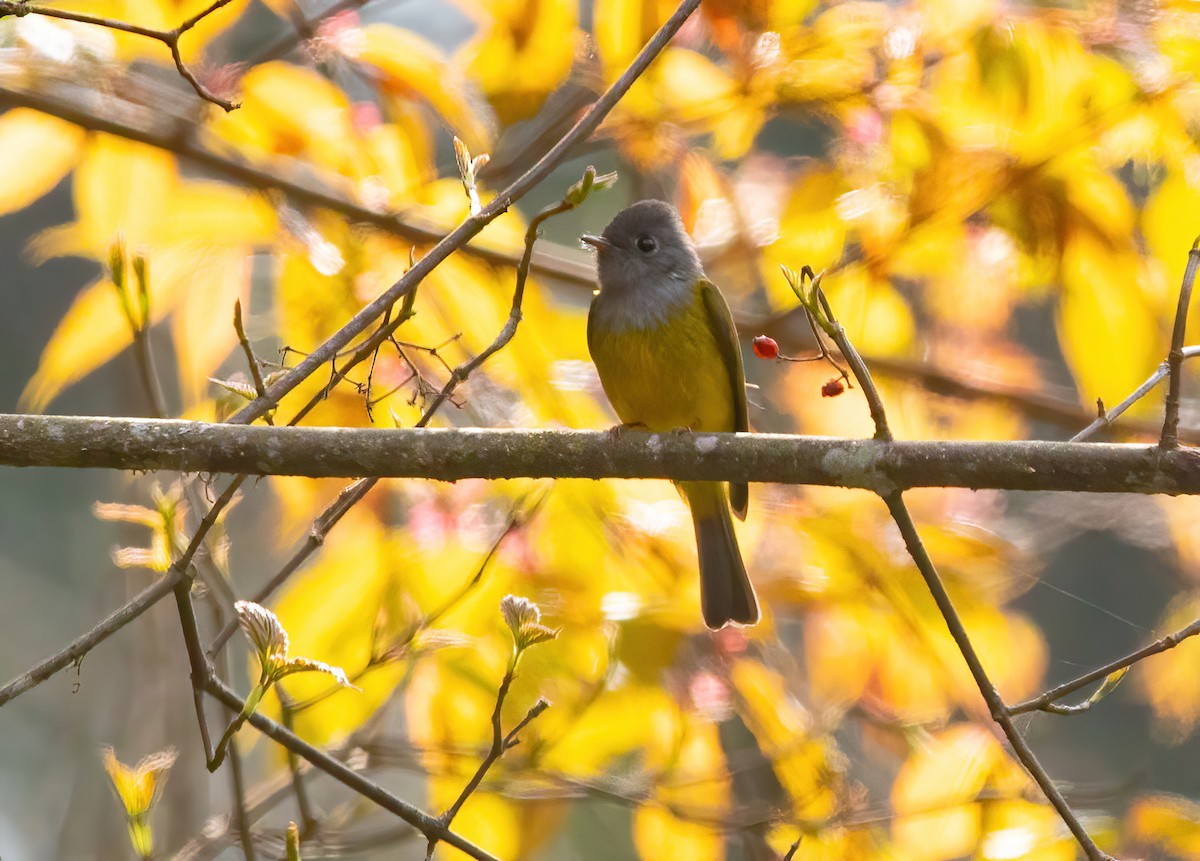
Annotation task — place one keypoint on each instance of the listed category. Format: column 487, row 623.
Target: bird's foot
column 617, row 431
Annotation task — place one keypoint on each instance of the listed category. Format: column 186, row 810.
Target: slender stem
column 1043, row 700
column 1170, row 431
column 260, row 387
column 308, row 821
column 500, row 744
column 474, row 224
column 1109, row 416
column 139, row 604
column 240, row 818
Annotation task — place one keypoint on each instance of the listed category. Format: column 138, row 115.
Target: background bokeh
column 1003, row 196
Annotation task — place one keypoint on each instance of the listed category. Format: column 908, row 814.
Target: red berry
column 765, row 348
column 833, row 388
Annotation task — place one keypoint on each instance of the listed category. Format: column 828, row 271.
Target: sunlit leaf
column 46, row 148
column 1169, row 823
column 1111, row 337
column 1170, row 682
column 411, row 67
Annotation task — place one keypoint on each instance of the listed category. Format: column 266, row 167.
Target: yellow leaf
column 587, row 743
column 658, row 833
column 293, row 112
column 1170, row 682
column 412, row 67
column 44, row 147
column 781, row 727
column 1110, row 337
column 329, row 610
column 810, row 233
column 839, row 651
column 121, row 188
column 525, row 51
column 1168, row 822
column 1169, row 226
column 203, row 326
column 934, row 794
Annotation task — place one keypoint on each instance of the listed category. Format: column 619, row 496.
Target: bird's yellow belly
column 667, row 377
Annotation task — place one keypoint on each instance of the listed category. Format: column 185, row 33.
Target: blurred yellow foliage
column 958, row 169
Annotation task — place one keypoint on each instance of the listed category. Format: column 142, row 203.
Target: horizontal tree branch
column 450, row 455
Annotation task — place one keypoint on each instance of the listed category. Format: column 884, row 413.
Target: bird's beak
column 597, row 242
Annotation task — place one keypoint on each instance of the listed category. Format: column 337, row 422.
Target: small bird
column 665, row 345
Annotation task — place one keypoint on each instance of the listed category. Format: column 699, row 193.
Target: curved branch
column 170, row 38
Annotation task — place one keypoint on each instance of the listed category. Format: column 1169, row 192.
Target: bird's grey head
column 645, row 247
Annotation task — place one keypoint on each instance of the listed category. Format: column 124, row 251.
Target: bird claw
column 617, row 431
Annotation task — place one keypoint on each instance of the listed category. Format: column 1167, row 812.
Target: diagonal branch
column 894, row 499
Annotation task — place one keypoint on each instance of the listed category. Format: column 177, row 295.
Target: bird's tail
column 726, row 596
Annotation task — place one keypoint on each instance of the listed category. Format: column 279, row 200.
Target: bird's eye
column 647, row 244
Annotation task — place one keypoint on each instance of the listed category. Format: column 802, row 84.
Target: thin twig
column 916, row 549
column 240, row 818
column 308, row 821
column 370, row 348
column 170, row 38
column 198, row 663
column 260, row 387
column 1105, row 417
column 500, row 744
column 463, row 371
column 1170, row 431
column 519, row 516
column 1047, row 699
column 473, row 224
column 423, row 822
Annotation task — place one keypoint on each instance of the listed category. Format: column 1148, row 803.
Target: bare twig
column 1170, row 431
column 500, row 744
column 463, row 371
column 916, row 549
column 240, row 818
column 474, row 224
column 170, row 38
column 518, row 517
column 1047, row 701
column 1105, row 417
column 308, row 821
column 260, row 387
